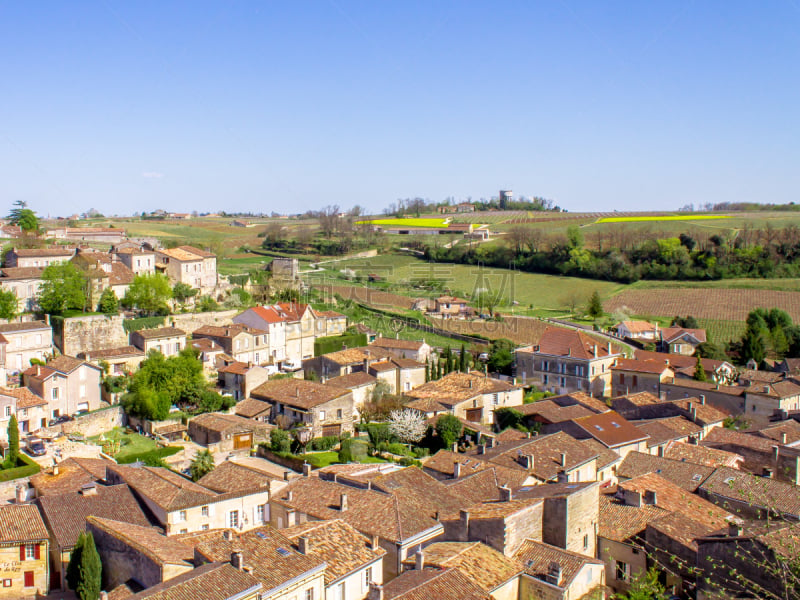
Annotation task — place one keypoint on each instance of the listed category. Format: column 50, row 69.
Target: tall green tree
column 595, row 308
column 90, row 571
column 74, row 565
column 149, row 292
column 501, row 356
column 109, row 303
column 13, row 442
column 8, row 304
column 645, row 586
column 183, row 291
column 754, row 345
column 699, row 371
column 202, row 464
column 23, row 216
column 63, row 288
column 462, row 359
column 449, row 429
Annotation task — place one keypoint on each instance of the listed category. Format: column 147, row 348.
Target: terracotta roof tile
column 233, row 477
column 611, row 429
column 701, row 455
column 20, row 523
column 163, row 487
column 686, row 475
column 621, row 522
column 352, row 380
column 442, row 584
column 73, row 473
column 24, row 396
column 297, row 392
column 250, row 408
column 382, row 342
column 536, row 558
column 149, row 541
column 456, row 387
column 763, row 492
column 559, row 341
column 159, row 333
column 121, row 352
column 213, row 581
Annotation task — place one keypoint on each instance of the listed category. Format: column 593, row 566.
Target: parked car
column 290, row 366
column 35, row 447
column 58, row 420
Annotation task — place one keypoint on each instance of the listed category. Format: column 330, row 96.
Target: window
column 8, row 410
column 6, row 583
column 182, row 516
column 635, row 380
column 495, row 399
column 545, row 366
column 25, row 411
column 322, row 415
column 562, row 381
column 55, row 393
column 367, row 577
column 545, row 380
column 340, row 592
column 309, row 594
column 338, row 413
column 204, row 511
column 233, row 519
column 204, row 527
column 622, row 378
column 261, row 513
column 30, row 551
column 586, row 541
column 622, row 571
column 184, row 531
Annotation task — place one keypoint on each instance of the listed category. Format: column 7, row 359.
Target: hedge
column 150, row 454
column 324, row 345
column 142, row 323
column 31, row 467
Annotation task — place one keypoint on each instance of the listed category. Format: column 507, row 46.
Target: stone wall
column 571, row 519
column 97, row 422
column 190, row 322
column 83, row 334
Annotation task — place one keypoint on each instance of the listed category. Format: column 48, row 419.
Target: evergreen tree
column 89, row 571
column 13, row 442
column 699, row 371
column 427, row 371
column 109, row 303
column 754, row 345
column 8, row 304
column 595, row 308
column 462, row 359
column 73, row 567
column 438, row 369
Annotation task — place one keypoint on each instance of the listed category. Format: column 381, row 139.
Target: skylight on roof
column 261, row 534
column 730, row 480
column 598, row 428
column 696, row 477
column 284, row 552
column 615, row 424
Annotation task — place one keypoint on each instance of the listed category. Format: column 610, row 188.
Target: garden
column 127, row 446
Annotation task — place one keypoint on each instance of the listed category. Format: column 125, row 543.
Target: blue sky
column 289, row 106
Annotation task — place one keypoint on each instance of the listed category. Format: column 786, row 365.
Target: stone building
column 169, row 341
column 38, row 257
column 24, row 570
column 138, row 260
column 553, row 573
column 187, row 264
column 227, row 433
column 569, row 360
column 24, row 341
column 244, row 343
column 68, row 384
column 25, row 282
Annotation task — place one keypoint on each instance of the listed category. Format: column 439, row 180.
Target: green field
column 422, row 222
column 635, row 219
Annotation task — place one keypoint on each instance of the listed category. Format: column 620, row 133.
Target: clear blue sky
column 287, row 106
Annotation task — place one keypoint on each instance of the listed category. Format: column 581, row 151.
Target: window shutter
column 36, row 551
column 22, row 552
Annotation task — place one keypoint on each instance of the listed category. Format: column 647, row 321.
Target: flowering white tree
column 407, row 425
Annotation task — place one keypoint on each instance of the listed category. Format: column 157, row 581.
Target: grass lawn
column 324, row 459
column 131, row 444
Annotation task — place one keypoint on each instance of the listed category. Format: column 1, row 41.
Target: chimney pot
column 419, row 560
column 563, row 460
column 286, row 475
column 374, row 542
column 343, row 502
column 505, row 494
column 236, row 560
column 375, row 591
column 55, row 467
column 303, row 544
column 456, row 469
column 306, row 470
column 734, row 529
column 783, row 437
column 702, row 399
column 482, row 448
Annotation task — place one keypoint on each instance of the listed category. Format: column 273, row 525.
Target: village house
column 470, row 396
column 760, row 455
column 667, row 430
column 449, row 307
column 68, row 384
column 182, row 506
column 767, row 399
column 245, row 344
column 251, row 408
column 400, row 521
column 328, row 410
column 301, row 330
column 684, row 474
column 138, row 260
column 24, row 341
column 678, row 340
column 133, row 553
column 38, row 257
column 557, row 574
column 272, row 320
column 23, row 553
column 125, row 359
column 69, row 476
column 169, row 341
column 238, row 379
column 610, row 429
column 751, row 496
column 344, row 362
column 401, row 375
column 493, row 572
column 568, row 360
column 187, row 264
column 230, row 476
column 331, row 323
column 269, row 556
column 641, row 331
column 227, row 433
column 207, row 352
column 413, row 350
column 347, row 574
column 645, row 406
column 442, row 584
column 30, row 409
column 360, row 384
column 546, row 458
column 102, row 235
column 65, row 517
column 25, row 282
column 630, row 376
column 211, row 581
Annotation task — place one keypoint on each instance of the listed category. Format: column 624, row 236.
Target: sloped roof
column 229, row 476
column 397, row 343
column 21, row 523
column 442, row 584
column 701, row 455
column 536, row 558
column 686, row 475
column 73, row 473
column 621, row 522
column 251, row 407
column 764, row 492
column 671, row 334
column 559, row 341
column 212, row 581
column 352, row 380
column 160, row 332
column 148, row 541
column 640, row 366
column 163, row 487
column 611, row 429
column 297, row 392
column 457, row 387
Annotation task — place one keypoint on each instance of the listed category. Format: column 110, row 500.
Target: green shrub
column 407, row 461
column 378, row 432
column 142, row 323
column 346, row 451
column 397, row 448
column 324, row 345
column 420, row 452
column 26, row 467
column 324, row 443
column 280, row 441
column 151, row 457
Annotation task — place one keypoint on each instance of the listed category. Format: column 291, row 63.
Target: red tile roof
column 611, row 429
column 558, row 341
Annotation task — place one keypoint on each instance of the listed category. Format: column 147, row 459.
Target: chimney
column 766, row 389
column 297, row 392
column 237, row 561
column 594, row 350
column 343, row 502
column 419, row 560
column 766, row 472
column 375, row 591
column 526, row 460
column 455, row 447
column 562, row 477
column 505, row 493
column 286, row 475
column 702, row 399
column 303, row 545
column 21, row 493
column 89, row 489
column 374, row 543
column 290, row 495
column 470, row 384
column 554, row 576
column 456, row 469
column 38, row 370
column 775, row 451
column 734, row 529
column 306, row 470
column 563, row 459
column 482, row 447
column 55, row 467
column 661, row 451
column 103, row 596
column 783, row 437
column 463, row 516
column 489, row 442
column 693, row 412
